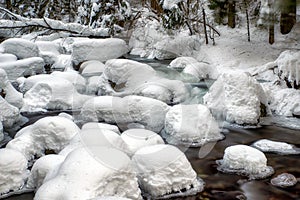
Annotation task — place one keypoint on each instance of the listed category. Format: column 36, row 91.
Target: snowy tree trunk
column 248, row 21
column 288, row 15
column 204, row 22
column 231, row 13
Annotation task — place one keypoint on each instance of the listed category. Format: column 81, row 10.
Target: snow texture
column 7, row 57
column 74, row 77
column 245, row 160
column 237, row 97
column 284, row 180
column 126, row 112
column 123, row 77
column 266, row 145
column 98, row 49
column 164, row 169
column 170, row 4
column 9, row 114
column 1, row 132
column 192, row 125
column 91, row 68
column 91, row 172
column 20, row 47
column 49, row 133
column 94, row 125
column 62, row 62
column 13, row 170
column 138, row 138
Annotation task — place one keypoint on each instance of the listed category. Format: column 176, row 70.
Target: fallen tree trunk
column 17, row 22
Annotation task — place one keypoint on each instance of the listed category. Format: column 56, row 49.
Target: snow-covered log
column 75, row 29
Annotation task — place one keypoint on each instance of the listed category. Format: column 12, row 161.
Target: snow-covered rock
column 50, row 92
column 41, row 167
column 7, row 57
column 74, row 77
column 9, row 114
column 93, row 85
column 24, row 67
column 87, row 174
column 126, row 112
column 284, row 180
column 98, row 49
column 62, row 62
column 163, row 170
column 94, row 125
column 12, row 96
column 20, row 47
column 266, row 145
column 13, row 170
column 126, row 77
column 245, row 160
column 170, row 4
column 191, row 125
column 138, row 138
column 182, row 62
column 49, row 133
column 237, row 97
column 91, row 68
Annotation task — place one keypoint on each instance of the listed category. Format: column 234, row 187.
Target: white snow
column 127, row 111
column 13, row 170
column 98, row 49
column 171, row 4
column 62, row 61
column 109, row 198
column 91, row 68
column 90, row 173
column 9, row 114
column 266, row 145
column 7, row 57
column 24, row 67
column 20, row 47
column 191, row 125
column 1, row 132
column 94, row 125
column 41, row 167
column 138, row 138
column 164, row 169
column 48, row 133
column 284, row 180
column 74, row 77
column 236, row 97
column 245, row 160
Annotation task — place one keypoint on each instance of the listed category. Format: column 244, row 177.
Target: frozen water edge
column 22, row 190
column 190, row 192
column 282, row 121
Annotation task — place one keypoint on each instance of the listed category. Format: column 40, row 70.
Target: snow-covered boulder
column 96, row 137
column 20, row 47
column 129, row 111
column 9, row 114
column 98, row 49
column 182, row 62
column 138, row 138
column 124, row 77
column 24, row 67
column 62, row 62
column 13, row 171
column 41, row 167
column 191, row 125
column 266, row 145
column 164, row 170
column 284, row 180
column 91, row 68
column 94, row 125
column 237, row 97
column 50, row 92
column 74, row 77
column 90, row 173
column 7, row 57
column 48, row 133
column 12, row 96
column 245, row 160
column 92, row 86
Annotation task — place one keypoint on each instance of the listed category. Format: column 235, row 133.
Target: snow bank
column 50, row 92
column 20, row 47
column 90, row 173
column 245, row 160
column 98, row 49
column 7, row 57
column 24, row 67
column 9, row 114
column 49, row 133
column 138, row 138
column 91, row 68
column 76, row 79
column 94, row 125
column 126, row 77
column 265, row 145
column 13, row 170
column 164, row 169
column 41, row 167
column 191, row 125
column 236, row 97
column 126, row 112
column 62, row 62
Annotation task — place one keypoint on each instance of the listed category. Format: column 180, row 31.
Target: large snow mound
column 126, row 112
column 98, row 49
column 20, row 47
column 47, row 134
column 245, row 160
column 237, row 97
column 124, row 77
column 13, row 170
column 192, row 125
column 164, row 169
column 90, row 173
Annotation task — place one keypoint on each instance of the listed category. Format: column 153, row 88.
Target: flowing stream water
column 228, row 186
